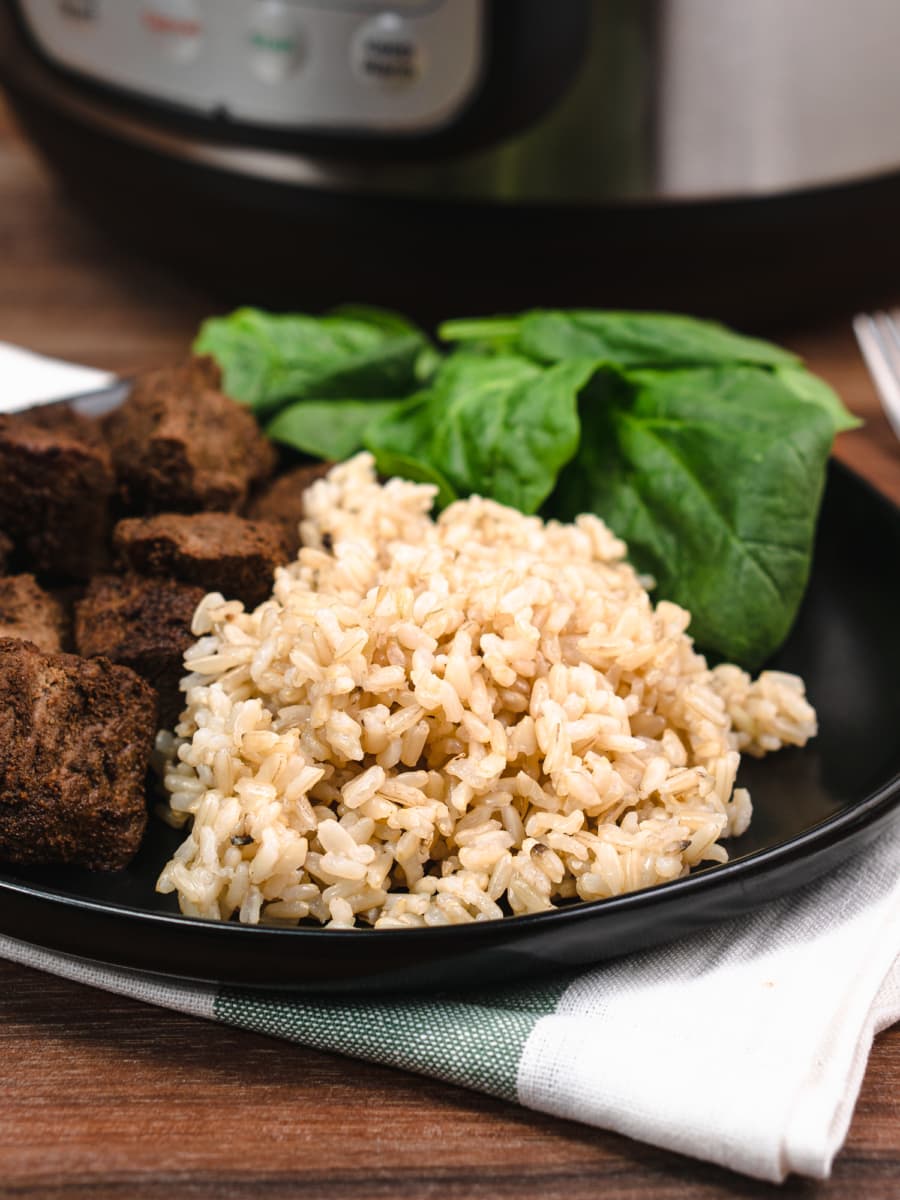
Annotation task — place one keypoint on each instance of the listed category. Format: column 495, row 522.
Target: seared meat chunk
column 75, row 740
column 6, row 549
column 180, row 445
column 28, row 612
column 62, row 419
column 144, row 624
column 218, row 552
column 56, row 481
column 281, row 501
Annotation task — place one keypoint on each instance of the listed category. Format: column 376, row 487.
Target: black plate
column 813, row 807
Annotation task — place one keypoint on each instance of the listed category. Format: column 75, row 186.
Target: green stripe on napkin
column 475, row 1040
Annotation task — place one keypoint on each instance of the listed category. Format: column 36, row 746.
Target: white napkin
column 745, row 1044
column 27, row 379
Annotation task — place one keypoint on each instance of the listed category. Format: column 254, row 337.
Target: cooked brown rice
column 433, row 722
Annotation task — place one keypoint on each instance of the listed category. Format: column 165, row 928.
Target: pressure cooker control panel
column 357, row 65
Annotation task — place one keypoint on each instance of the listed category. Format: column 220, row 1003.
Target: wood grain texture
column 107, row 1097
column 872, row 450
column 103, row 1095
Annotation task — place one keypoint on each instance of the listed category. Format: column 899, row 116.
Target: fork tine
column 891, row 324
column 879, row 340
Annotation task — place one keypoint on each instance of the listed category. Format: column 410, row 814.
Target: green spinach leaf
column 394, row 462
column 384, row 319
column 269, row 359
column 499, row 426
column 713, row 477
column 329, row 429
column 637, row 339
column 498, row 335
column 811, row 388
column 621, row 339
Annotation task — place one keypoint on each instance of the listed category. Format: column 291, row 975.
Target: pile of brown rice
column 433, row 722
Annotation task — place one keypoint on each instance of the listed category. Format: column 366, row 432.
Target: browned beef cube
column 144, row 624
column 56, row 481
column 218, row 552
column 6, row 549
column 61, row 418
column 180, row 445
column 28, row 612
column 75, row 739
column 281, row 501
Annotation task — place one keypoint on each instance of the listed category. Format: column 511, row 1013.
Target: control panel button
column 79, row 10
column 330, row 67
column 277, row 44
column 174, row 26
column 385, row 52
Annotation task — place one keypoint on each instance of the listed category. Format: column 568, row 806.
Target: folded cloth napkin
column 744, row 1045
column 27, row 378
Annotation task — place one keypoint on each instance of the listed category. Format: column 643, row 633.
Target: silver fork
column 878, row 335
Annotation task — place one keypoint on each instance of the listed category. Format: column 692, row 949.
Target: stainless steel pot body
column 655, row 100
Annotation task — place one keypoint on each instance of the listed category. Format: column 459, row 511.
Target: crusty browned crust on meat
column 56, row 480
column 75, row 738
column 6, row 549
column 62, row 419
column 180, row 445
column 30, row 613
column 281, row 501
column 144, row 624
column 218, row 552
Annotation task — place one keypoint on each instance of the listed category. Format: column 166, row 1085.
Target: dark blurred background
column 730, row 159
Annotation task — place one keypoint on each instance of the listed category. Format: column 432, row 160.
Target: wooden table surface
column 105, row 1096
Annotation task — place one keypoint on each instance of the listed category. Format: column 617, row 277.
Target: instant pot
column 737, row 158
